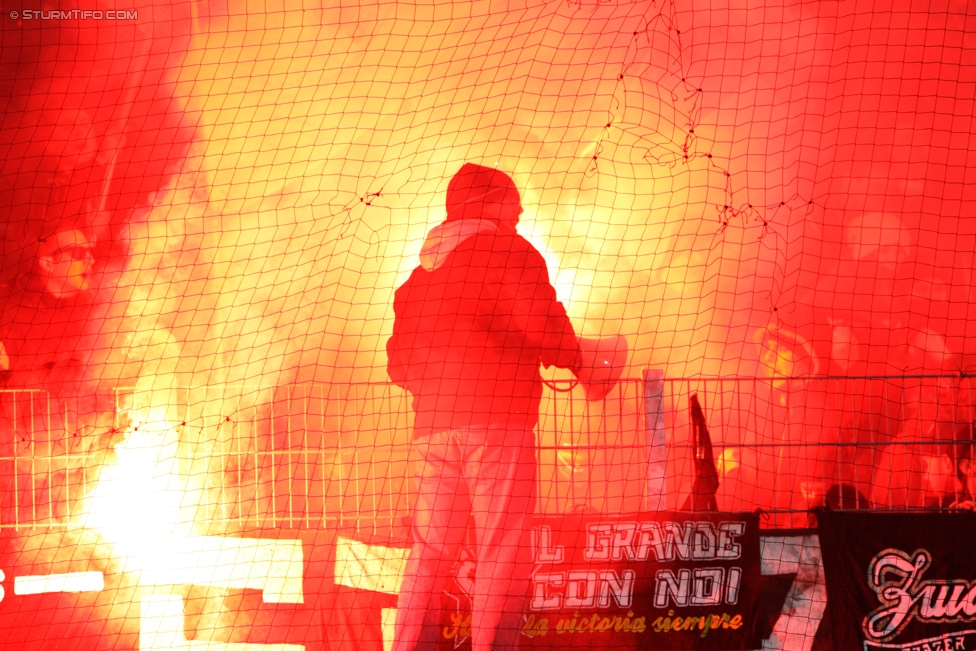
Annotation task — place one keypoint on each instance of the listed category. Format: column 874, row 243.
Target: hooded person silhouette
column 472, row 325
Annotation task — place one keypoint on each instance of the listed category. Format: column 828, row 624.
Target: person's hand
column 964, row 505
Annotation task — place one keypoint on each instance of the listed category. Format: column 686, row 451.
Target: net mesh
column 209, row 207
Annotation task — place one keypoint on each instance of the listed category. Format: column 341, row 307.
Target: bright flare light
column 139, row 506
column 139, row 502
column 71, row 582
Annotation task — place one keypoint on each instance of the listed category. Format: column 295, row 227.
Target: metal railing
column 41, row 469
column 787, row 445
column 304, row 455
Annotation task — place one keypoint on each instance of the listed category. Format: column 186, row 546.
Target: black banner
column 652, row 580
column 904, row 581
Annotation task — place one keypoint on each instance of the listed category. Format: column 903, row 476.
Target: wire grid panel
column 340, row 455
column 42, row 466
column 788, row 445
column 592, row 454
column 296, row 456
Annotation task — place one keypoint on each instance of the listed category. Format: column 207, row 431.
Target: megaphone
column 604, row 359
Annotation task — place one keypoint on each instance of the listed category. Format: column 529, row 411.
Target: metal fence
column 787, row 445
column 304, row 455
column 41, row 467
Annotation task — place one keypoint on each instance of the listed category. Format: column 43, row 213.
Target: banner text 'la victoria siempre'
column 655, row 580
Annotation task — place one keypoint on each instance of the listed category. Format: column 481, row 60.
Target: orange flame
column 140, row 503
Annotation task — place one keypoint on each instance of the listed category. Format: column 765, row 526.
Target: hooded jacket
column 473, row 323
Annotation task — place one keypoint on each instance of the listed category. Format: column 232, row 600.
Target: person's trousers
column 489, row 475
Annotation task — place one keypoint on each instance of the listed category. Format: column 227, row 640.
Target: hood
column 473, row 186
column 443, row 239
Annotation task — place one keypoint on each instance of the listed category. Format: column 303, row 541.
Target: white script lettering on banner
column 907, row 596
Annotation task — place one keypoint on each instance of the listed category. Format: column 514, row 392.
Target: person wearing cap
column 472, row 325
